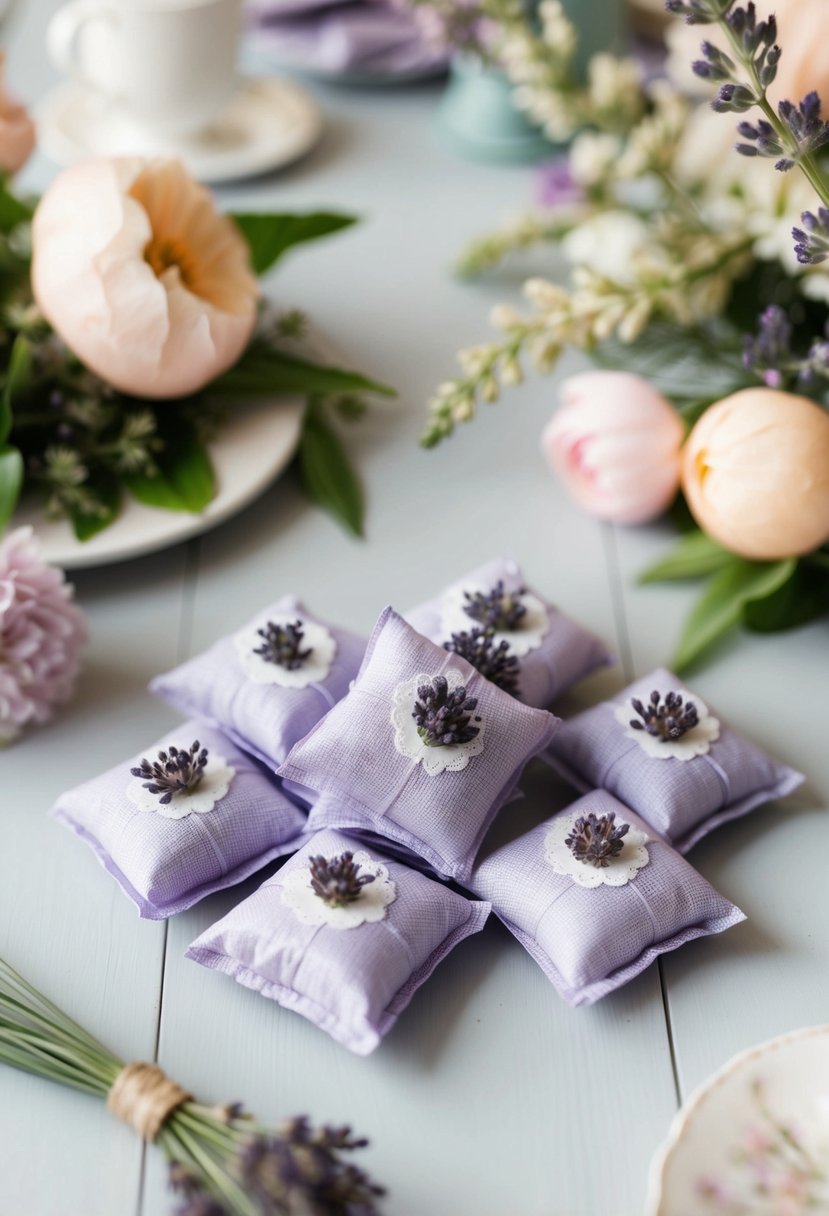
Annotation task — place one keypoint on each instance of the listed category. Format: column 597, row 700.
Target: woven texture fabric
column 263, row 719
column 351, row 755
column 167, row 865
column 351, row 983
column 683, row 800
column 590, row 941
column 567, row 652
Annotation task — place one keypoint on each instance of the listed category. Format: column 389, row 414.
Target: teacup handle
column 65, row 31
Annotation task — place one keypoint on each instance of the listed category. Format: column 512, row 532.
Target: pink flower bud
column 755, row 472
column 614, row 442
column 17, row 131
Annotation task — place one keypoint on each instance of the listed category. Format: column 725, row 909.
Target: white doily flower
column 311, row 670
column 370, row 906
column 534, row 623
column 617, row 872
column 408, row 742
column 214, row 785
column 695, row 742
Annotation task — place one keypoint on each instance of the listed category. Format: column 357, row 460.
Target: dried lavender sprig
column 174, row 772
column 444, row 716
column 281, row 644
column 497, row 609
column 770, row 353
column 495, row 663
column 668, row 720
column 338, row 882
column 812, row 240
column 595, row 840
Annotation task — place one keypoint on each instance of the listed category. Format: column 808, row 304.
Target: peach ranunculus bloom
column 755, row 471
column 17, row 131
column 140, row 275
column 615, row 442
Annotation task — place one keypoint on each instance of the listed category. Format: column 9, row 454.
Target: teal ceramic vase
column 477, row 118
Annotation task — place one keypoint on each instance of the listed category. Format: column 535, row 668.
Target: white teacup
column 170, row 65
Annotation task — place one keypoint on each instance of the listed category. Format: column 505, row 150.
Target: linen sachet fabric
column 268, row 684
column 351, row 967
column 167, row 853
column 680, row 767
column 595, row 900
column 535, row 652
column 375, row 768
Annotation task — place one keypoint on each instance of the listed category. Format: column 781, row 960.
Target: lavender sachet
column 266, row 685
column 343, row 935
column 184, row 818
column 595, row 895
column 662, row 752
column 510, row 634
column 423, row 750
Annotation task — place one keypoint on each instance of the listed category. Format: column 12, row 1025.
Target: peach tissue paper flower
column 42, row 633
column 17, row 131
column 615, row 442
column 140, row 275
column 755, row 472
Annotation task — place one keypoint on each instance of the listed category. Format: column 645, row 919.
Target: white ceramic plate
column 253, row 446
column 754, row 1139
column 267, row 124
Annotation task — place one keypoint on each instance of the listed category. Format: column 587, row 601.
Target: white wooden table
column 490, row 1097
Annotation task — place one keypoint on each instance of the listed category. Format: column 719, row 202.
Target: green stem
column 239, row 1202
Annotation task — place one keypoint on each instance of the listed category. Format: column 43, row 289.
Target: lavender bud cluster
column 444, row 715
column 338, row 882
column 174, row 772
column 812, row 240
column 498, row 609
column 668, row 720
column 595, row 840
column 495, row 663
column 282, row 645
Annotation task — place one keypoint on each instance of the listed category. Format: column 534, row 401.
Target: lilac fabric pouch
column 377, row 771
column 683, row 786
column 350, row 969
column 266, row 685
column 545, row 650
column 592, row 928
column 168, row 855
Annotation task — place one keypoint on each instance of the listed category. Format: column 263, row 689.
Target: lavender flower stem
column 240, row 1205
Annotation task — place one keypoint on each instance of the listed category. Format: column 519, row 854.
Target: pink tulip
column 755, row 472
column 17, row 131
column 802, row 32
column 140, row 275
column 614, row 442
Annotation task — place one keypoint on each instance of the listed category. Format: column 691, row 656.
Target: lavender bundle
column 221, row 1161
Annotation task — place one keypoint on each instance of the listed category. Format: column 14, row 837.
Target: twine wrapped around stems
column 144, row 1097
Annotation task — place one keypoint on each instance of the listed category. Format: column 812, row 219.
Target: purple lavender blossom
column 812, row 240
column 557, row 186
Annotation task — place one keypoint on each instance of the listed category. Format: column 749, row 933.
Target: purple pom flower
column 41, row 635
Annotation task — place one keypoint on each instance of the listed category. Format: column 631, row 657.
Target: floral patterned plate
column 253, row 446
column 754, row 1139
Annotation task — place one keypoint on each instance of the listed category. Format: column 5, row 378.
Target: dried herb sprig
column 668, row 720
column 174, row 772
column 495, row 663
column 338, row 882
column 498, row 609
column 595, row 840
column 282, row 645
column 221, row 1161
column 444, row 716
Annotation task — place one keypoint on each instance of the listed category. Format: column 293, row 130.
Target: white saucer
column 267, row 124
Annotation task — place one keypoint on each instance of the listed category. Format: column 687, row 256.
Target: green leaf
column 687, row 365
column 326, row 472
column 185, row 480
column 18, row 377
column 722, row 603
column 695, row 555
column 263, row 371
column 269, row 236
column 802, row 598
column 13, row 211
column 11, row 482
column 87, row 526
